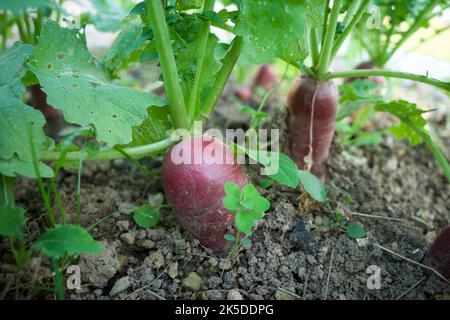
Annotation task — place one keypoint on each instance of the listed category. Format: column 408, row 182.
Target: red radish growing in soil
column 265, row 78
column 312, row 109
column 195, row 188
column 244, row 94
column 440, row 253
column 367, row 65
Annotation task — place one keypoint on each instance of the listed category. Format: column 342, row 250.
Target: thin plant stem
column 325, row 21
column 6, row 189
column 174, row 92
column 44, row 193
column 202, row 43
column 325, row 54
column 137, row 163
column 22, row 33
column 30, row 36
column 272, row 90
column 234, row 249
column 111, row 154
column 315, row 49
column 348, row 29
column 59, row 286
column 78, row 191
column 388, row 74
column 351, row 11
column 58, row 198
column 37, row 26
column 222, row 77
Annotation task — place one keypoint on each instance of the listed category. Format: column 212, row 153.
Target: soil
column 294, row 254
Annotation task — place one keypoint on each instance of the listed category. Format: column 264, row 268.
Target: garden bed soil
column 391, row 180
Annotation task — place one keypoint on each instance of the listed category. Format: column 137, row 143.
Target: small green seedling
column 146, row 216
column 338, row 205
column 62, row 241
column 248, row 206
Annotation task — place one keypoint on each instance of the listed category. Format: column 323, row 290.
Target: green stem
column 6, row 190
column 315, row 50
column 22, row 33
column 388, row 74
column 58, row 10
column 37, row 26
column 137, row 163
column 222, row 26
column 202, row 43
column 78, row 191
column 325, row 54
column 30, row 36
column 59, row 285
column 3, row 29
column 416, row 25
column 174, row 92
column 354, row 21
column 58, row 198
column 351, row 11
column 325, row 21
column 110, row 154
column 22, row 252
column 272, row 90
column 235, row 247
column 40, row 182
column 222, row 77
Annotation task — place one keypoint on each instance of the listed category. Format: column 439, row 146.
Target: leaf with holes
column 12, row 221
column 411, row 119
column 66, row 239
column 278, row 29
column 17, row 120
column 155, row 128
column 76, row 84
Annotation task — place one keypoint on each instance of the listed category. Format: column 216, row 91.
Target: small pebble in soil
column 302, row 238
column 214, row 295
column 147, row 275
column 123, row 225
column 155, row 260
column 213, row 282
column 283, row 295
column 128, row 238
column 229, row 279
column 98, row 269
column 147, row 244
column 234, row 295
column 126, row 208
column 121, row 285
column 173, row 270
column 192, row 282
